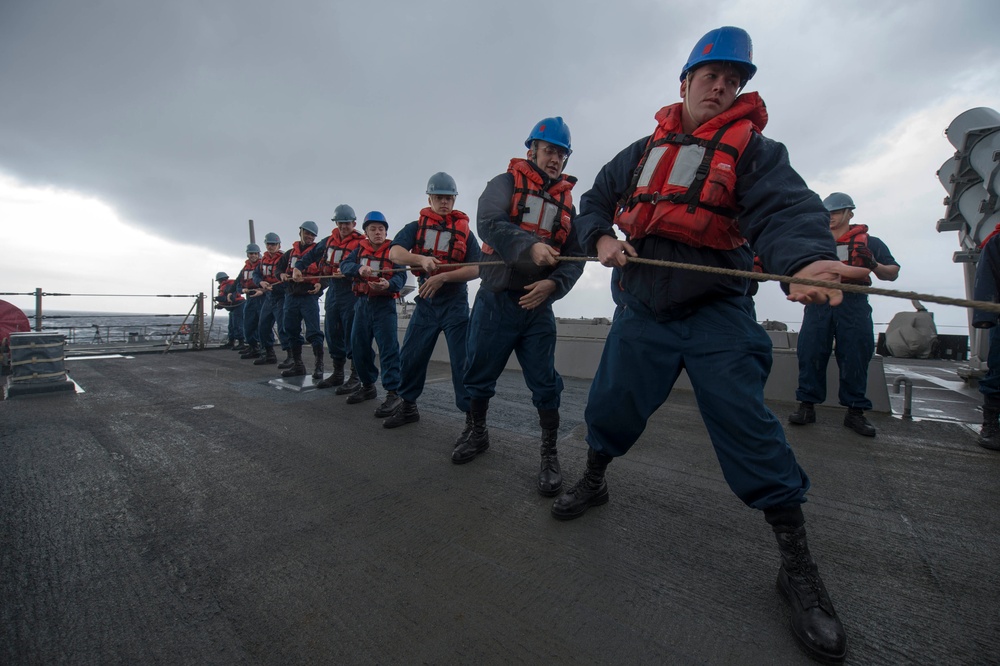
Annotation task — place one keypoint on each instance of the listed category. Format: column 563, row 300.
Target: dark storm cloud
column 192, row 117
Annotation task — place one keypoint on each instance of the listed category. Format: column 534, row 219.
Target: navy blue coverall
column 252, row 306
column 673, row 319
column 499, row 326
column 272, row 312
column 987, row 288
column 300, row 307
column 227, row 295
column 448, row 311
column 339, row 304
column 375, row 319
column 850, row 323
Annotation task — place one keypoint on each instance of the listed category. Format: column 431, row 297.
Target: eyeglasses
column 555, row 151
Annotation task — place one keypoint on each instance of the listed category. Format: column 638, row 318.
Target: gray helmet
column 344, row 213
column 220, row 276
column 310, row 226
column 272, row 238
column 253, row 247
column 838, row 201
column 442, row 183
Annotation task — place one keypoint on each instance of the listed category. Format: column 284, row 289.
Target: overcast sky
column 137, row 138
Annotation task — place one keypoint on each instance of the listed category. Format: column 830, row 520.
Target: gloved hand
column 863, row 257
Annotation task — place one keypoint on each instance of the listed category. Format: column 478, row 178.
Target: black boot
column 466, row 433
column 407, row 413
column 288, row 362
column 363, row 392
column 479, row 439
column 389, row 405
column 253, row 351
column 240, row 346
column 318, row 353
column 989, row 436
column 298, row 367
column 337, row 378
column 805, row 414
column 856, row 421
column 268, row 358
column 814, row 621
column 549, row 475
column 352, row 383
column 591, row 490
column 229, row 344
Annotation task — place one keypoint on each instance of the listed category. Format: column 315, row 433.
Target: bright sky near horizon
column 140, row 137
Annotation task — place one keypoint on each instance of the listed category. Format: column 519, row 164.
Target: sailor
column 525, row 219
column 267, row 278
column 703, row 185
column 377, row 283
column 440, row 236
column 340, row 298
column 302, row 303
column 228, row 300
column 987, row 288
column 254, row 301
column 850, row 324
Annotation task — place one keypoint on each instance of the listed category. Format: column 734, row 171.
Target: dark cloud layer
column 192, row 117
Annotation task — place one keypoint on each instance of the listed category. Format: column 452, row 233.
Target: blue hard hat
column 552, row 130
column 375, row 216
column 344, row 213
column 271, row 237
column 442, row 183
column 725, row 44
column 310, row 226
column 220, row 276
column 253, row 247
column 838, row 201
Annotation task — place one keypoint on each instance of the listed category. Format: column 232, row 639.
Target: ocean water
column 108, row 327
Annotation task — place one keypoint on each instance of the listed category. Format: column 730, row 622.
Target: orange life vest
column 684, row 187
column 547, row 213
column 236, row 297
column 848, row 251
column 337, row 248
column 246, row 275
column 379, row 261
column 268, row 267
column 297, row 251
column 444, row 238
column 993, row 233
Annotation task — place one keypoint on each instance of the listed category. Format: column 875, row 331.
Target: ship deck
column 181, row 510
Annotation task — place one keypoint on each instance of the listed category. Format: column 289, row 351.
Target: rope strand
column 762, row 277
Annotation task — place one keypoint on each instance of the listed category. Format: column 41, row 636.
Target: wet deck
column 182, row 511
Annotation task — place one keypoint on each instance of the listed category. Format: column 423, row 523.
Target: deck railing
column 190, row 333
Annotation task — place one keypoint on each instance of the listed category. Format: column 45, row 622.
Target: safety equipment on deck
column 375, row 216
column 344, row 213
column 253, row 247
column 725, row 44
column 310, row 226
column 271, row 237
column 539, row 206
column 552, row 130
column 838, row 201
column 443, row 238
column 220, row 276
column 685, row 185
column 442, row 183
